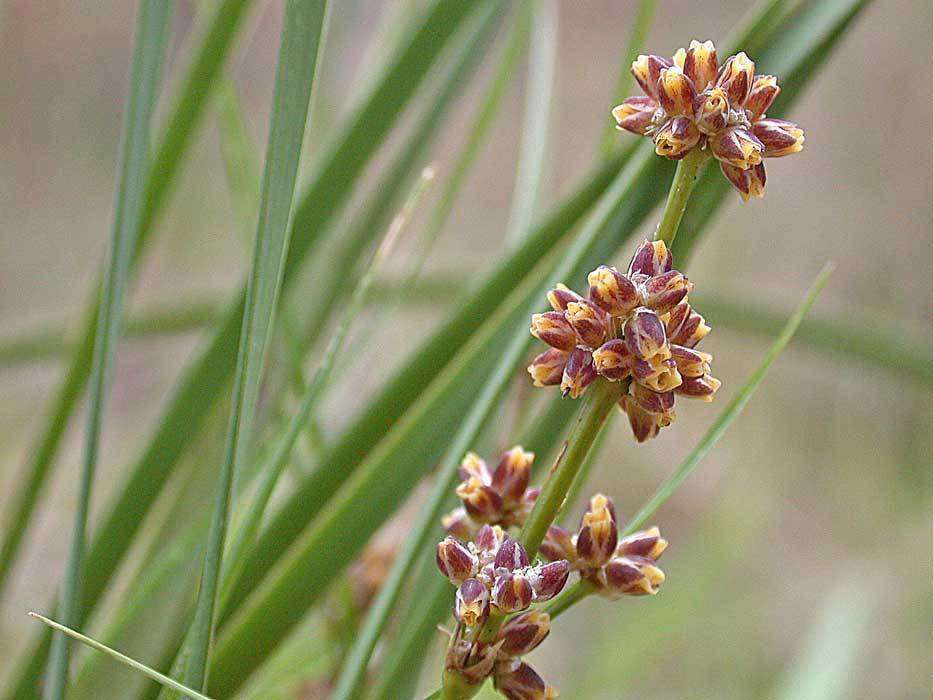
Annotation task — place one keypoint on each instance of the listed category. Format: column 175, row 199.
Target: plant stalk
column 688, row 170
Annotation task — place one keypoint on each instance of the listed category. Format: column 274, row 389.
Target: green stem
column 569, row 597
column 685, row 178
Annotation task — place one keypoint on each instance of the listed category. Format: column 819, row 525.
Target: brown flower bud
column 690, row 363
column 652, row 401
column 630, row 576
column 700, row 63
column 652, row 258
column 547, row 369
column 512, row 592
column 578, row 374
column 472, row 466
column 481, row 501
column 647, row 71
column 635, row 114
column 663, row 292
column 685, row 326
column 644, row 424
column 523, row 633
column 560, row 296
column 455, row 561
column 646, row 543
column 612, row 291
column 558, row 544
column 511, row 555
column 749, row 183
column 548, row 580
column 736, row 77
column 472, row 603
column 488, row 540
column 711, row 110
column 480, row 657
column 552, row 328
column 598, row 534
column 676, row 92
column 613, row 360
column 590, row 323
column 764, row 90
column 512, row 474
column 676, row 138
column 779, row 137
column 701, row 388
column 521, row 682
column 645, row 337
column 660, row 376
column 459, row 524
column 738, row 147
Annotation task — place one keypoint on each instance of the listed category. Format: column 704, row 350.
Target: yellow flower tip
column 680, row 56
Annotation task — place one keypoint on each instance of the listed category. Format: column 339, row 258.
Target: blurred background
column 797, row 566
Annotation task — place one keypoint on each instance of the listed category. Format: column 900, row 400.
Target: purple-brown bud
column 459, row 524
column 676, row 92
column 657, row 375
column 512, row 592
column 613, row 360
column 737, row 147
column 652, row 258
column 647, row 71
column 472, row 603
column 663, row 292
column 481, row 501
column 512, row 474
column 700, row 63
column 558, row 544
column 676, row 138
column 547, row 369
column 749, row 183
column 523, row 633
column 645, row 425
column 590, row 323
column 690, row 363
column 779, row 137
column 645, row 337
column 579, row 373
column 548, row 580
column 598, row 534
column 764, row 90
column 488, row 540
column 562, row 295
column 455, row 560
column 472, row 466
column 736, row 77
column 612, row 291
column 646, row 543
column 630, row 576
column 652, row 401
column 552, row 328
column 635, row 114
column 521, row 682
column 701, row 388
column 685, row 326
column 711, row 110
column 511, row 555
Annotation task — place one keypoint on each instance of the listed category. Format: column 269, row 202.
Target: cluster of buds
column 617, row 567
column 493, row 574
column 691, row 103
column 636, row 327
column 497, row 496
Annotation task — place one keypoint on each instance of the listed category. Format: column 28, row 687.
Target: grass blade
column 533, row 150
column 241, row 165
column 152, row 30
column 732, row 410
column 302, row 39
column 122, row 658
column 166, row 162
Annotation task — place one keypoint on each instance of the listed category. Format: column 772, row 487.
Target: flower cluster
column 615, row 566
column 636, row 327
column 497, row 496
column 493, row 574
column 692, row 102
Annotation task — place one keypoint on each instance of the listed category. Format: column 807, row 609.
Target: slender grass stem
column 685, row 178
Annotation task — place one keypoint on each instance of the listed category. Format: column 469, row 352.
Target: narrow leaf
column 732, row 410
column 152, row 30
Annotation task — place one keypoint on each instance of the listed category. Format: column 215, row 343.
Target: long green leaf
column 152, row 30
column 731, row 411
column 166, row 162
column 202, row 382
column 122, row 658
column 302, row 34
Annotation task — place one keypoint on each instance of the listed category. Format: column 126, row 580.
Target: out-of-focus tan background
column 808, row 527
